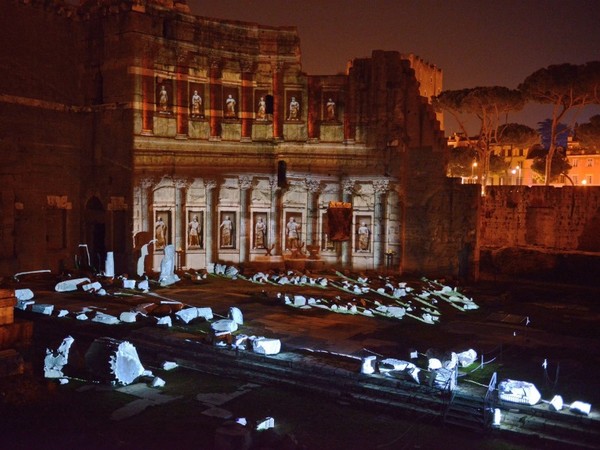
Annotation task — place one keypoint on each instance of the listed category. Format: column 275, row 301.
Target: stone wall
column 541, row 232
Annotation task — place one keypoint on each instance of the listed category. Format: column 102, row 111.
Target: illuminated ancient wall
column 212, row 128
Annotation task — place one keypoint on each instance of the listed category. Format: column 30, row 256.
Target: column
column 278, row 100
column 246, row 110
column 350, row 113
column 380, row 188
column 275, row 216
column 211, row 239
column 147, row 94
column 180, row 220
column 245, row 183
column 313, row 187
column 146, row 221
column 181, row 108
column 314, row 108
column 216, row 100
column 347, row 191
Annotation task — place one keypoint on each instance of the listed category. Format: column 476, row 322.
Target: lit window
column 590, row 162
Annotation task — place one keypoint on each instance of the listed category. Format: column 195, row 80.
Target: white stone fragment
column 91, row 287
column 148, row 373
column 109, row 265
column 186, row 315
column 236, row 315
column 368, row 364
column 128, row 284
column 62, row 313
column 266, row 346
column 557, row 402
column 581, row 407
column 125, row 364
column 467, row 357
column 299, row 300
column 265, row 424
column 397, row 312
column 223, row 326
column 63, row 380
column 54, row 362
column 242, row 421
column 518, row 392
column 169, row 365
column 158, row 382
column 23, row 294
column 81, row 316
column 107, row 319
column 43, row 308
column 434, row 364
column 143, row 285
column 167, row 275
column 23, row 304
column 70, row 285
column 128, row 316
column 166, row 321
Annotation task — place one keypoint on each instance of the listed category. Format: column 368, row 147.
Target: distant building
column 128, row 121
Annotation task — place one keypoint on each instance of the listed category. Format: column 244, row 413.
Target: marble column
column 146, row 221
column 275, row 216
column 278, row 100
column 216, row 99
column 380, row 188
column 347, row 192
column 313, row 187
column 210, row 235
column 180, row 222
column 245, row 183
column 246, row 110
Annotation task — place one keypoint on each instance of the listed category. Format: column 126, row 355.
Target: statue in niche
column 160, row 233
column 230, row 106
column 260, row 230
column 261, row 114
column 163, row 99
column 294, row 109
column 226, row 232
column 292, row 232
column 194, row 232
column 196, row 105
column 330, row 109
column 363, row 237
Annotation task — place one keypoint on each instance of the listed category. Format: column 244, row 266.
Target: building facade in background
column 130, row 122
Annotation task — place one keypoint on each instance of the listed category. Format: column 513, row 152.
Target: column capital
column 278, row 66
column 381, row 186
column 246, row 65
column 313, row 186
column 245, row 182
column 348, row 185
column 210, row 184
column 181, row 183
column 147, row 182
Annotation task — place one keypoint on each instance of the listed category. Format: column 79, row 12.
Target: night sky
column 474, row 42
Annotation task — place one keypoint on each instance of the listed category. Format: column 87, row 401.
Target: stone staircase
column 467, row 411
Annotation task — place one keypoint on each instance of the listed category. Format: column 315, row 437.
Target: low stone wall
column 557, row 219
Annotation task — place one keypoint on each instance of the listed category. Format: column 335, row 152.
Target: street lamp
column 473, row 166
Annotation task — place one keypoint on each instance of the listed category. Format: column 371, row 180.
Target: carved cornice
column 210, row 184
